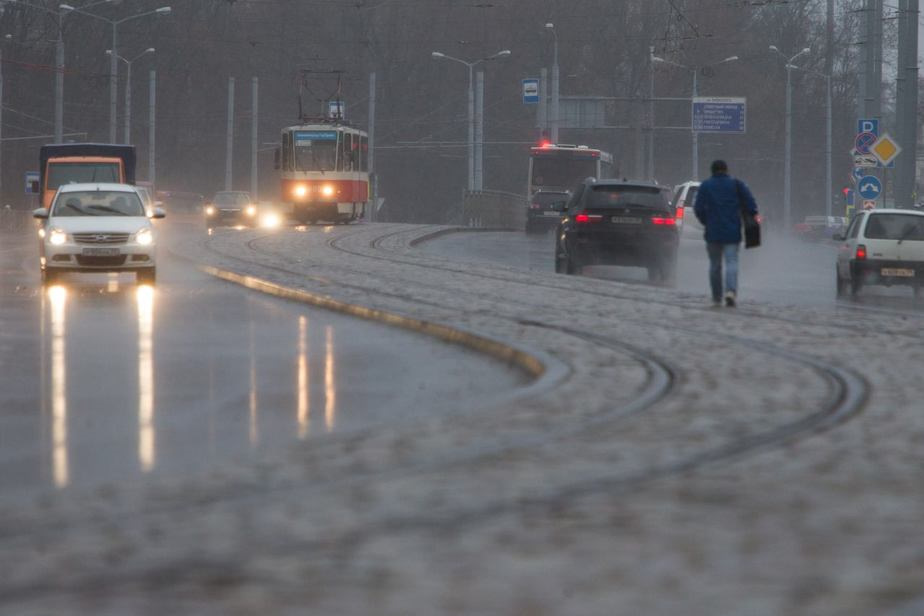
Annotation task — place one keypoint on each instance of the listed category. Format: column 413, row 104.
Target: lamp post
column 556, row 100
column 114, row 63
column 471, row 105
column 128, row 90
column 695, row 70
column 787, row 158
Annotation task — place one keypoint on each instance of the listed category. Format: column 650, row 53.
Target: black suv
column 544, row 212
column 618, row 222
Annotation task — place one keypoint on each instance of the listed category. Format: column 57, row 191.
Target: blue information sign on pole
column 720, row 115
column 32, row 180
column 870, row 187
column 530, row 91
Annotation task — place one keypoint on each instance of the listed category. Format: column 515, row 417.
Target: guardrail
column 14, row 220
column 494, row 209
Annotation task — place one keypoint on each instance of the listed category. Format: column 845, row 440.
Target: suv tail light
column 660, row 221
column 583, row 218
column 679, row 214
column 535, row 206
column 861, row 253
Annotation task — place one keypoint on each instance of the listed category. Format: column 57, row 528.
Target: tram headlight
column 300, row 190
column 327, row 190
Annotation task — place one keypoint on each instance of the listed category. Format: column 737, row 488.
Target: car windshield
column 895, row 227
column 230, row 199
column 627, row 196
column 80, row 173
column 315, row 150
column 548, row 198
column 98, row 203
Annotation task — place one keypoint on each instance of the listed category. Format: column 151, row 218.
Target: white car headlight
column 57, row 237
column 251, row 210
column 144, row 237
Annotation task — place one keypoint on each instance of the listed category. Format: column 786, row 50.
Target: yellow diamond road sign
column 886, row 150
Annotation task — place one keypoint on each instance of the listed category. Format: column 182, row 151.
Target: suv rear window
column 895, row 227
column 628, row 196
column 548, row 198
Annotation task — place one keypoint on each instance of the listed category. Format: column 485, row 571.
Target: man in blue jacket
column 718, row 208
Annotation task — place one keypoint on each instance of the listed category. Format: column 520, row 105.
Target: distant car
column 619, row 222
column 542, row 213
column 231, row 207
column 179, row 201
column 820, row 227
column 684, row 199
column 882, row 247
column 97, row 228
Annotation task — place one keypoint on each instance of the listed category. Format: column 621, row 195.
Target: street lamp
column 436, row 55
column 128, row 90
column 695, row 70
column 114, row 63
column 787, row 160
column 556, row 98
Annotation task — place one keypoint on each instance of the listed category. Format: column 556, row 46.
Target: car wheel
column 148, row 276
column 856, row 284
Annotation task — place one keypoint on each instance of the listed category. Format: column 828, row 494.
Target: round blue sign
column 869, row 187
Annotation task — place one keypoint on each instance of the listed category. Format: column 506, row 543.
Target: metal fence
column 494, row 209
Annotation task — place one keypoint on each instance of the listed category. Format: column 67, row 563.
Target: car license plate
column 551, row 214
column 899, row 272
column 100, row 252
column 626, row 220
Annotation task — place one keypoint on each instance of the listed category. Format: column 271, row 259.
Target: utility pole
column 59, row 81
column 254, row 129
column 471, row 128
column 479, row 131
column 695, row 175
column 1, row 125
column 152, row 127
column 370, row 215
column 229, row 151
column 829, row 73
column 543, row 110
column 128, row 104
column 651, row 115
column 907, row 103
column 556, row 93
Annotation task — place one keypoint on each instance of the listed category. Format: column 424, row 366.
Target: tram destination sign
column 720, row 115
column 307, row 137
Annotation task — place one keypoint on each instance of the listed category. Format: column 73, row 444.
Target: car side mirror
column 159, row 213
column 40, row 213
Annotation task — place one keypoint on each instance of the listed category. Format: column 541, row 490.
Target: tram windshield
column 315, row 150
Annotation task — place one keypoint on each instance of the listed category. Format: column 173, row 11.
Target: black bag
column 751, row 225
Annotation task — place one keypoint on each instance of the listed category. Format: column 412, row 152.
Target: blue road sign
column 720, row 115
column 858, row 174
column 32, row 180
column 869, row 187
column 530, row 91
column 868, row 126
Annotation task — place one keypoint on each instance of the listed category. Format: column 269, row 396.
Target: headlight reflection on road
column 146, row 432
column 330, row 387
column 254, row 431
column 57, row 296
column 304, row 392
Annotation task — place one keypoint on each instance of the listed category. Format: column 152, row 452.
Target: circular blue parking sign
column 869, row 187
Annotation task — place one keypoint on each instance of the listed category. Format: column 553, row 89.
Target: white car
column 684, row 199
column 883, row 247
column 97, row 228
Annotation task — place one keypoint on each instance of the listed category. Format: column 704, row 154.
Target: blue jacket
column 717, row 208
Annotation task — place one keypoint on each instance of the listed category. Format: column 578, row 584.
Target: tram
column 324, row 170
